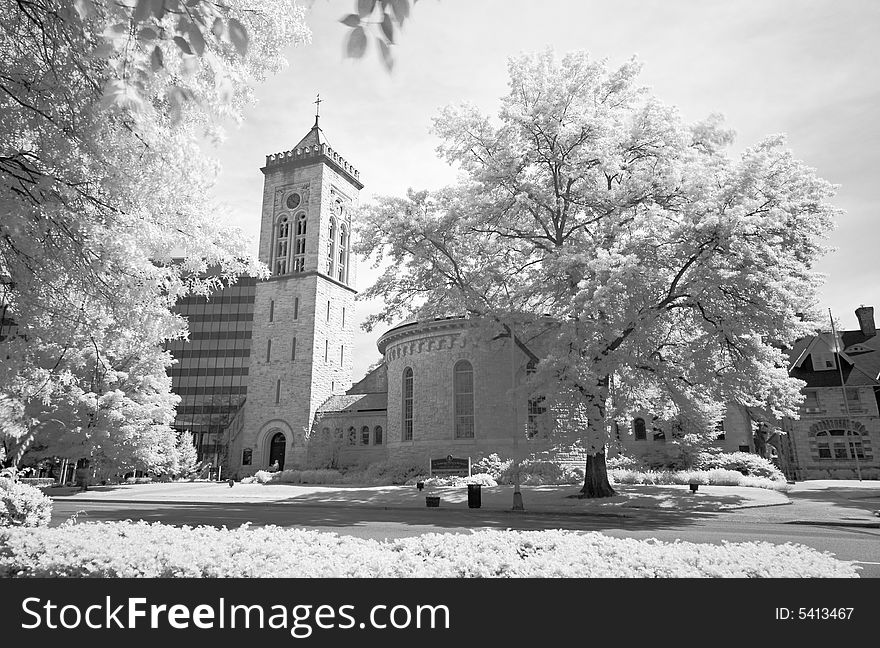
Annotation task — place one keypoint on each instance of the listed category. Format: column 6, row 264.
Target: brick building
column 838, row 433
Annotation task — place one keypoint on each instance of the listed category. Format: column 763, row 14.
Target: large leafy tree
column 640, row 263
column 103, row 177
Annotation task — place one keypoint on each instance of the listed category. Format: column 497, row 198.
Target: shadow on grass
column 330, row 517
column 861, row 500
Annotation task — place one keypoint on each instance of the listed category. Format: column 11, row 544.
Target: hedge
column 134, row 550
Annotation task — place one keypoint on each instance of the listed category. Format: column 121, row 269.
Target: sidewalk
column 629, row 501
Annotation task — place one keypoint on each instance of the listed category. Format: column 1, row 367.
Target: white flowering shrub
column 138, row 550
column 541, row 472
column 263, row 477
column 745, row 462
column 622, row 461
column 483, row 479
column 715, row 477
column 23, row 505
column 491, row 464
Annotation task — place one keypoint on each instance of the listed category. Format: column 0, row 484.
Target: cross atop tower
column 317, row 103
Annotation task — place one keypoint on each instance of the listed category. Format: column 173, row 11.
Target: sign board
column 450, row 465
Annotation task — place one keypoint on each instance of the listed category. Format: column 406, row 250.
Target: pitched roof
column 355, row 403
column 315, row 137
column 859, row 359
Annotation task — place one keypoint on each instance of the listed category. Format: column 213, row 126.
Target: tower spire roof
column 315, row 137
column 314, row 148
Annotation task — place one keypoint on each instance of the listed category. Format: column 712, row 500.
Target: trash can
column 474, row 496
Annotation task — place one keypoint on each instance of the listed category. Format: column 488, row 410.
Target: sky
column 806, row 68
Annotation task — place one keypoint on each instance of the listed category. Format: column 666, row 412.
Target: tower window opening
column 343, row 254
column 331, row 246
column 299, row 244
column 282, row 246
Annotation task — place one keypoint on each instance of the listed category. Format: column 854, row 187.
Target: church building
column 266, row 377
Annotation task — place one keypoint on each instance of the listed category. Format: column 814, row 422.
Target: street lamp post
column 517, row 495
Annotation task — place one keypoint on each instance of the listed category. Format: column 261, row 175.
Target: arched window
column 639, row 429
column 282, row 246
column 377, row 435
column 537, row 405
column 352, row 436
column 331, row 246
column 407, row 432
column 341, row 266
column 463, row 396
column 365, row 435
column 299, row 244
column 840, row 445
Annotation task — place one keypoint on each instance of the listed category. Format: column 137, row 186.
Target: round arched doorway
column 277, row 448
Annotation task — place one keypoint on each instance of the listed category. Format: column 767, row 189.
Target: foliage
column 379, row 473
column 541, row 473
column 143, row 550
column 744, row 462
column 632, row 256
column 622, row 461
column 492, row 464
column 103, row 176
column 187, row 457
column 23, row 505
column 481, row 479
column 712, row 477
column 384, row 473
column 381, row 17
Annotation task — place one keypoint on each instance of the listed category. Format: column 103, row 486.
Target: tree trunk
column 596, row 482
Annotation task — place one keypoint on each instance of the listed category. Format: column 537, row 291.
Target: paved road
column 847, row 543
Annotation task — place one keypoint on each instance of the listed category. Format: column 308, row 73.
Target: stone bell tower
column 303, row 323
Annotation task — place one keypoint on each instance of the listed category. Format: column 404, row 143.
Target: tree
column 658, row 271
column 102, row 178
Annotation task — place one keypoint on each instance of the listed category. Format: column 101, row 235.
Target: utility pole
column 848, row 431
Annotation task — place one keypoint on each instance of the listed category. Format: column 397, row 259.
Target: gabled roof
column 374, row 402
column 859, row 359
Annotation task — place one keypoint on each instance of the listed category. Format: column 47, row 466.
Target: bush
column 384, row 473
column 318, row 476
column 37, row 482
column 483, row 479
column 23, row 505
column 714, row 477
column 622, row 461
column 540, row 472
column 745, row 462
column 492, row 465
column 138, row 550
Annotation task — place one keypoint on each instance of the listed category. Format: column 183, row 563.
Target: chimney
column 866, row 320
